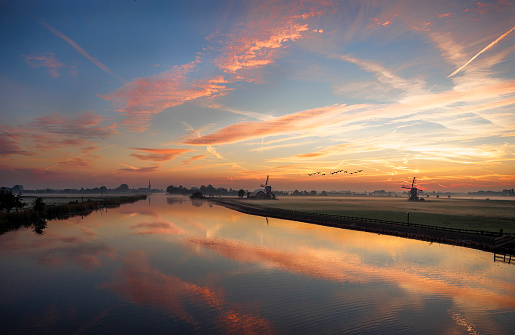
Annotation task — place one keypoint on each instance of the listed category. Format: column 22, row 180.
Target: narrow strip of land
column 36, row 217
column 482, row 240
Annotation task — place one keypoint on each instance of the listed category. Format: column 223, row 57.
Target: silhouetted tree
column 8, row 200
column 241, row 193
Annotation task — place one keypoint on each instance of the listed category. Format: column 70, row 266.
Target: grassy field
column 490, row 215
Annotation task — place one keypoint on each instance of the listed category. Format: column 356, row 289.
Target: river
column 170, row 265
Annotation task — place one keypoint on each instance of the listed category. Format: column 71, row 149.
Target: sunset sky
column 228, row 92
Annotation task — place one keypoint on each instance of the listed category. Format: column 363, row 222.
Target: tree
column 8, row 200
column 241, row 193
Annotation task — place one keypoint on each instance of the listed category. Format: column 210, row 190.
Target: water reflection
column 142, row 284
column 175, row 200
column 209, row 269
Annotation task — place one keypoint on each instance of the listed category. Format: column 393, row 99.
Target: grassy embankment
column 490, row 215
column 30, row 218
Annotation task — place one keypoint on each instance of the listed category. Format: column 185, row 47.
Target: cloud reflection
column 144, row 285
column 347, row 267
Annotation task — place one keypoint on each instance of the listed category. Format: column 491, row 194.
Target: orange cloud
column 194, row 158
column 296, row 122
column 132, row 169
column 159, row 155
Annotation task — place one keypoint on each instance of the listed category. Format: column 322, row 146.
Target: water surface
column 170, row 265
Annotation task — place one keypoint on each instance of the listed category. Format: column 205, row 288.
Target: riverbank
column 37, row 216
column 497, row 242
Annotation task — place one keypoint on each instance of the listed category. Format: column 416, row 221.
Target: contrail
column 80, row 50
column 480, row 52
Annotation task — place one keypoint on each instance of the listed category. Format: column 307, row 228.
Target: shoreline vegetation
column 36, row 216
column 498, row 241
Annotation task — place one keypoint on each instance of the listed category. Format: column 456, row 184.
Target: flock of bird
column 334, row 172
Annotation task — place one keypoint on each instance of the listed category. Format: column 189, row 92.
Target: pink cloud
column 444, row 15
column 141, row 99
column 157, row 228
column 159, row 155
column 48, row 61
column 382, row 20
column 259, row 42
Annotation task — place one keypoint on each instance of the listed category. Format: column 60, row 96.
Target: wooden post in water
column 408, row 217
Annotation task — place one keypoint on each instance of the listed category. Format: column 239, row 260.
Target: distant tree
column 39, row 206
column 124, row 188
column 241, row 193
column 324, row 193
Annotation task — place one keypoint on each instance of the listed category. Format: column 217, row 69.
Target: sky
column 229, row 92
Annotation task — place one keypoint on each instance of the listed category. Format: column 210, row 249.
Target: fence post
column 408, row 217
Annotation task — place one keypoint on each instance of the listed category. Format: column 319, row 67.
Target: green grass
column 490, row 215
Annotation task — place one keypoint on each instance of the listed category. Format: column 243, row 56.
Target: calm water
column 172, row 266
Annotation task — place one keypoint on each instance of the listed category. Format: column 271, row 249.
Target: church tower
column 149, row 188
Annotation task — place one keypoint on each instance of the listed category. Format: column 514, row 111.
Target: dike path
column 496, row 242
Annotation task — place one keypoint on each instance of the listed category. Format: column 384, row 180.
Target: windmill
column 413, row 194
column 267, row 193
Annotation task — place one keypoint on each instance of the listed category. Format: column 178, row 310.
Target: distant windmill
column 413, row 194
column 267, row 193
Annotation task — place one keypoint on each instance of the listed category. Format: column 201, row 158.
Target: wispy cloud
column 80, row 50
column 386, row 76
column 158, row 155
column 132, row 169
column 50, row 62
column 194, row 158
column 141, row 99
column 260, row 40
column 86, row 125
column 9, row 145
column 297, row 123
